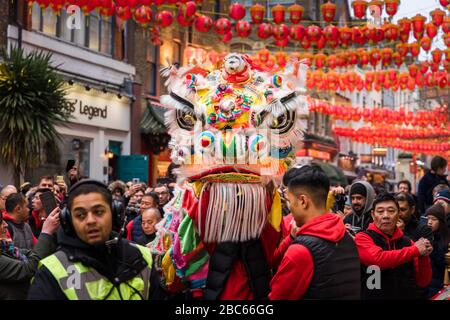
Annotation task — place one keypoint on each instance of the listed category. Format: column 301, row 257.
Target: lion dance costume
column 234, row 132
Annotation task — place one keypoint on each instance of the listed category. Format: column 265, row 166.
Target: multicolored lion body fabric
column 234, row 132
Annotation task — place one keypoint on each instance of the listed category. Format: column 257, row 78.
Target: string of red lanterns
column 382, row 116
column 375, row 80
column 313, row 35
column 393, row 132
column 362, row 57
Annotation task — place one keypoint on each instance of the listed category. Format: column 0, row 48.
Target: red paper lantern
column 413, row 69
column 257, row 13
column 305, row 43
column 414, row 48
column 56, row 5
column 402, row 49
column 203, row 23
column 108, row 8
column 446, row 24
column 282, row 42
column 398, row 59
column 437, row 56
column 424, row 65
column 391, row 32
column 386, row 56
column 222, row 26
column 328, row 11
column 295, row 13
column 123, row 13
column 281, row 58
column 278, row 13
column 374, row 57
column 313, row 33
column 359, row 8
column 444, row 3
column 358, row 36
column 363, row 58
column 243, row 28
column 438, row 16
column 264, row 30
column 183, row 20
column 446, row 38
column 418, row 23
column 431, row 29
column 297, row 32
column 392, row 75
column 237, row 11
column 227, row 37
column 404, row 25
column 345, row 34
column 264, row 55
column 164, row 18
column 331, row 32
column 391, row 6
column 425, row 43
column 320, row 44
column 331, row 61
column 280, row 31
column 143, row 15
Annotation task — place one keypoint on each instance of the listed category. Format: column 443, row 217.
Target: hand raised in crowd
column 424, row 246
column 337, row 190
column 52, row 222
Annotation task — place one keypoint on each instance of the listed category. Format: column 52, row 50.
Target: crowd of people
column 94, row 243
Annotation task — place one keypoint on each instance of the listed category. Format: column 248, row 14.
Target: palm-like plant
column 32, row 102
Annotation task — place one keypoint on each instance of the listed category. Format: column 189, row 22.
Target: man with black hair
column 163, row 192
column 93, row 262
column 16, row 216
column 433, row 177
column 404, row 264
column 361, row 196
column 413, row 229
column 134, row 227
column 404, row 186
column 321, row 260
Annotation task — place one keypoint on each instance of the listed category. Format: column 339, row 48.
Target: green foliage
column 32, row 102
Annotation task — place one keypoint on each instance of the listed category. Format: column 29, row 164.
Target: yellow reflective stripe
column 146, row 254
column 56, row 268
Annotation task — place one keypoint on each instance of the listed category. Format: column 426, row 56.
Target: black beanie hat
column 437, row 211
column 358, row 188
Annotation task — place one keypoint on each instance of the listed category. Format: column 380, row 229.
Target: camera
column 132, row 211
column 339, row 202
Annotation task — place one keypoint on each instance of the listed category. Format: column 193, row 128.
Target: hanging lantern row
column 414, row 146
column 375, row 80
column 360, row 7
column 422, row 118
column 313, row 35
column 362, row 57
column 393, row 132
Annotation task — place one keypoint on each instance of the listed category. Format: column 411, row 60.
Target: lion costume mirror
column 234, row 131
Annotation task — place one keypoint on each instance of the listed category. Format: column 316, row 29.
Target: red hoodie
column 296, row 269
column 371, row 254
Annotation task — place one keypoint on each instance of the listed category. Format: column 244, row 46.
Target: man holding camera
column 405, row 265
column 93, row 262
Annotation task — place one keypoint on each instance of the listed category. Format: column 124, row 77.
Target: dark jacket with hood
column 364, row 218
column 425, row 190
column 114, row 263
column 416, row 230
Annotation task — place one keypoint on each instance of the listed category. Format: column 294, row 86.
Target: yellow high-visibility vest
column 79, row 282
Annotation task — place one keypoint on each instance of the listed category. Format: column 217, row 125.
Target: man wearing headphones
column 93, row 262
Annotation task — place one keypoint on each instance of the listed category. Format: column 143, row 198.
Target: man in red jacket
column 320, row 260
column 394, row 267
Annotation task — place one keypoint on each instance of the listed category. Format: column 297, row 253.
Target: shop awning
column 335, row 174
column 152, row 121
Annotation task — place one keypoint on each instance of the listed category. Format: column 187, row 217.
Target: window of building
column 96, row 32
column 151, row 59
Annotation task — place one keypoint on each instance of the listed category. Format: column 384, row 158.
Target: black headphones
column 117, row 208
